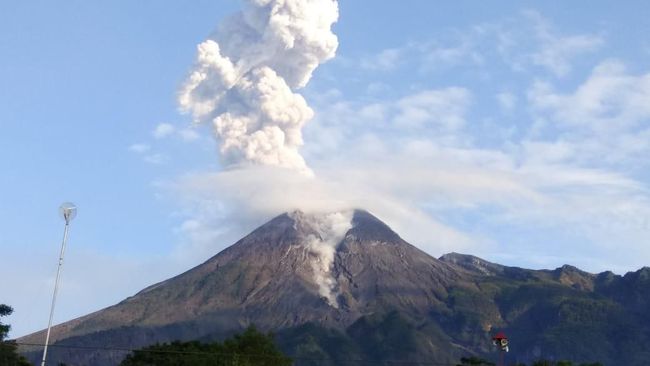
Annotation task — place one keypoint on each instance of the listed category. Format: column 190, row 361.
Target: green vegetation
column 314, row 345
column 540, row 314
column 563, row 363
column 474, row 361
column 466, row 361
column 374, row 339
column 250, row 348
column 8, row 355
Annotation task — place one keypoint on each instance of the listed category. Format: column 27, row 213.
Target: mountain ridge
column 347, row 278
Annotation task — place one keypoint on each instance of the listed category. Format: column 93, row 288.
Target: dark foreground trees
column 564, row 363
column 8, row 354
column 250, row 348
column 479, row 361
column 474, row 361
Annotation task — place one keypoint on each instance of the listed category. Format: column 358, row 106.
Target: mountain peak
column 325, row 235
column 369, row 228
column 336, row 225
column 322, row 224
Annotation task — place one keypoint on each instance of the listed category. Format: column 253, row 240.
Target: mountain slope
column 345, row 286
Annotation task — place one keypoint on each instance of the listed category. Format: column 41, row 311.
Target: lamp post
column 68, row 211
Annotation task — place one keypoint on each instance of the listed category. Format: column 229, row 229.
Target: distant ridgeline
column 340, row 287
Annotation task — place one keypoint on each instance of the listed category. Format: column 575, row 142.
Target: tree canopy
column 479, row 361
column 474, row 361
column 8, row 354
column 251, row 348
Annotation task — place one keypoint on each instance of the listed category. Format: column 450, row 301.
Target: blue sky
column 516, row 131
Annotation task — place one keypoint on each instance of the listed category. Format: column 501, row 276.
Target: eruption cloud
column 245, row 75
column 331, row 229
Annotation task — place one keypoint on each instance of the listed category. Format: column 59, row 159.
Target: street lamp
column 68, row 211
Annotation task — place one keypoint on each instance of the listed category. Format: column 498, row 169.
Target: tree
column 8, row 354
column 562, row 363
column 250, row 348
column 474, row 361
column 4, row 329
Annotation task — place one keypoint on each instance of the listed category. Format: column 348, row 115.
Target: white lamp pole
column 68, row 211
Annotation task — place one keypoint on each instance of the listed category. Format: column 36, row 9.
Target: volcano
column 343, row 286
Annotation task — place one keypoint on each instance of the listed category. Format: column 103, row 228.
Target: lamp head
column 68, row 211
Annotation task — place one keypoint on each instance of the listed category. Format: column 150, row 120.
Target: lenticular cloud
column 245, row 75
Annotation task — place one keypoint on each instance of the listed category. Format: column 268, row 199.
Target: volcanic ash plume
column 330, row 231
column 245, row 74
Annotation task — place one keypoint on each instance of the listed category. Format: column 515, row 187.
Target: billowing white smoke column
column 244, row 77
column 331, row 229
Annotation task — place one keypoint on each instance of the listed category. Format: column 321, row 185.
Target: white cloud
column 443, row 109
column 140, row 148
column 523, row 43
column 432, row 55
column 605, row 120
column 531, row 40
column 189, row 134
column 144, row 150
column 385, row 60
column 414, row 187
column 610, row 99
column 163, row 130
column 540, row 183
column 419, row 178
column 438, row 114
column 556, row 51
column 283, row 190
column 465, row 49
